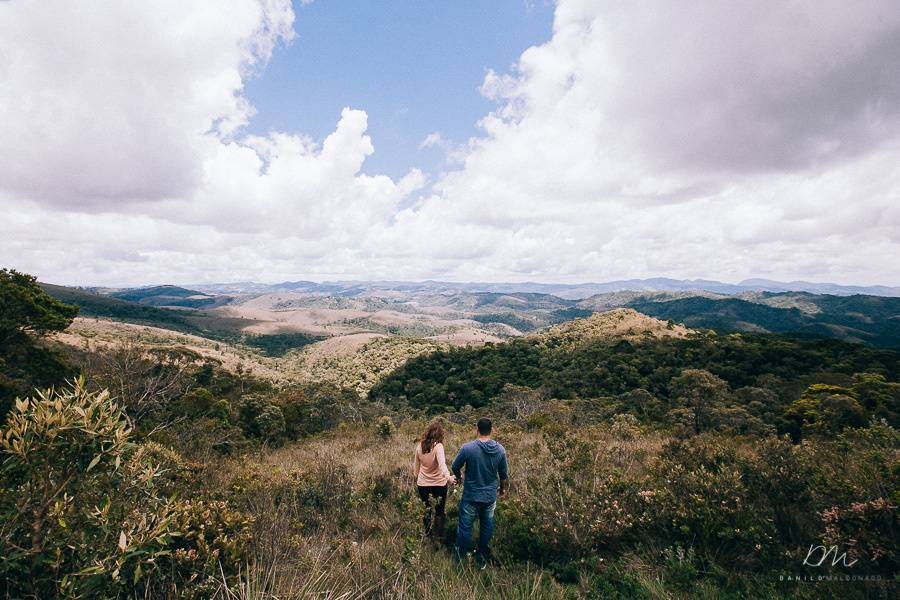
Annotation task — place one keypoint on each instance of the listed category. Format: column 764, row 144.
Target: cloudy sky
column 513, row 140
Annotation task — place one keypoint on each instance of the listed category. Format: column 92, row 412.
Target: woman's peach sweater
column 431, row 469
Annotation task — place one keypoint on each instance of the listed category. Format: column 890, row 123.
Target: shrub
column 199, row 402
column 60, row 453
column 83, row 510
column 311, row 409
column 385, row 427
column 868, row 531
column 573, row 511
column 701, row 500
column 210, row 539
column 270, row 423
column 779, row 477
column 624, row 426
column 260, row 418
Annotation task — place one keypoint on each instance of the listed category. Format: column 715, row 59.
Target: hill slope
column 869, row 319
column 186, row 321
column 171, row 295
column 617, row 324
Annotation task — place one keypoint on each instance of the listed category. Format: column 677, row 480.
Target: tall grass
column 336, row 516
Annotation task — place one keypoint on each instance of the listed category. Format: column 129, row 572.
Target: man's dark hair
column 484, row 426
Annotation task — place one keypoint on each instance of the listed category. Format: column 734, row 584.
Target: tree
column 701, row 393
column 641, row 403
column 521, row 401
column 879, row 396
column 312, row 408
column 143, row 380
column 823, row 409
column 28, row 314
column 260, row 417
column 26, row 308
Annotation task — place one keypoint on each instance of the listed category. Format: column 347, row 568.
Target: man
column 484, row 460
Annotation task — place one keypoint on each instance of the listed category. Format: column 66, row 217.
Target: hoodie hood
column 489, row 447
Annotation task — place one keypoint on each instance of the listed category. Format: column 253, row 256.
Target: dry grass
column 376, row 549
column 91, row 334
column 621, row 323
column 358, row 363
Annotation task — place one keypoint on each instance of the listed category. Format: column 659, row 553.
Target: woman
column 432, row 477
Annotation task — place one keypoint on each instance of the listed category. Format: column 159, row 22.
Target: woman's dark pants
column 435, row 498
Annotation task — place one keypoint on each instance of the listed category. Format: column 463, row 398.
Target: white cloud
column 715, row 140
column 708, row 141
column 107, row 103
column 433, row 139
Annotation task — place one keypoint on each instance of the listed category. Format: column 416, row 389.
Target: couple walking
column 483, row 460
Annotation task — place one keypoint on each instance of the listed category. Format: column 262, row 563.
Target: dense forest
column 859, row 318
column 750, row 367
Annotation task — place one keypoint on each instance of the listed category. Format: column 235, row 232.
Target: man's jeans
column 468, row 510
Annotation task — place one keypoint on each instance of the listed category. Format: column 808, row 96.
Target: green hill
column 186, row 321
column 604, row 367
column 868, row 319
column 171, row 295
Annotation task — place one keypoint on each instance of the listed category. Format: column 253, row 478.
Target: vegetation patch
column 279, row 344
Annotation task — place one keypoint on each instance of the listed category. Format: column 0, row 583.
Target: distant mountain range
column 568, row 291
column 505, row 309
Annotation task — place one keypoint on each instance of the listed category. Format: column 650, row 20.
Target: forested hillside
column 171, row 295
column 866, row 319
column 750, row 365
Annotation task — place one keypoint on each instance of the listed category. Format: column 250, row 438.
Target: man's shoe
column 481, row 562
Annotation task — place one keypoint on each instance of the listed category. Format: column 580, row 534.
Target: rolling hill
column 184, row 320
column 868, row 319
column 171, row 296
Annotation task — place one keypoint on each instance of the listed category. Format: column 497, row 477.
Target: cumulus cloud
column 717, row 140
column 107, row 103
column 712, row 140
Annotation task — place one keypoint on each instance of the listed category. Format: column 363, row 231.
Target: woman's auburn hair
column 433, row 435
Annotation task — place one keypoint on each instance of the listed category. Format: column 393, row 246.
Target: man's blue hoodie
column 483, row 461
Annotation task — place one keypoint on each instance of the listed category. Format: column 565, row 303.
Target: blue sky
column 414, row 66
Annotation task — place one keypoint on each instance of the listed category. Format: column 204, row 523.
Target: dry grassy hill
column 621, row 323
column 86, row 333
column 356, row 361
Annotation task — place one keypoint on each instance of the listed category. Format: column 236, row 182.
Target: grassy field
column 336, row 516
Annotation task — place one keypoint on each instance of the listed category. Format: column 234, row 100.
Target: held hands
column 452, row 479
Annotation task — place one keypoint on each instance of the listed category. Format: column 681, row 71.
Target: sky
column 512, row 140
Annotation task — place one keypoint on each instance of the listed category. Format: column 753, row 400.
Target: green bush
column 210, row 539
column 261, row 418
column 83, row 509
column 314, row 408
column 199, row 402
column 385, row 427
column 701, row 500
column 868, row 531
